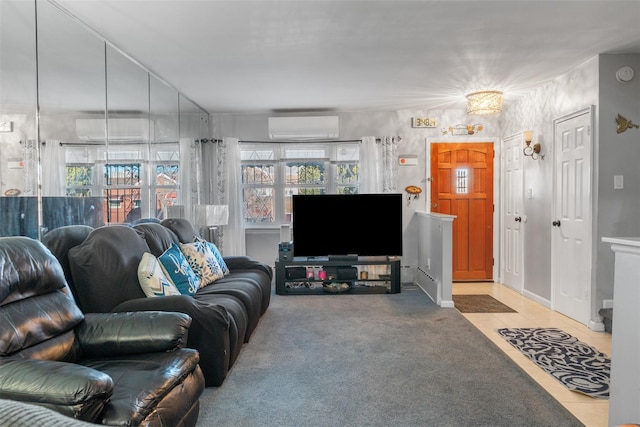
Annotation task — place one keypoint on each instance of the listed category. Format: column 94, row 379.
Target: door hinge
column 493, row 261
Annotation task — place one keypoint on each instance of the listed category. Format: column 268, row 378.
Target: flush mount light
column 484, row 102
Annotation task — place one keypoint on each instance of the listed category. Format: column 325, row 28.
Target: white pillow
column 202, row 261
column 153, row 281
column 218, row 255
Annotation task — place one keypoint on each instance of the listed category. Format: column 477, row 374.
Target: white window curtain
column 30, row 170
column 190, row 174
column 229, row 192
column 53, row 168
column 379, row 164
column 370, row 166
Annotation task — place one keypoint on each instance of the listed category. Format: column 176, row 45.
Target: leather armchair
column 109, row 368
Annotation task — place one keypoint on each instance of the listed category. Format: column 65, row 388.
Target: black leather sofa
column 101, row 266
column 102, row 368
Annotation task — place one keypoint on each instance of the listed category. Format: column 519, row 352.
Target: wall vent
column 120, row 129
column 303, row 128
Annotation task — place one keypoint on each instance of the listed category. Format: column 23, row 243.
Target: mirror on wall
column 17, row 74
column 18, row 132
column 91, row 131
column 125, row 165
column 164, row 149
column 163, row 111
column 191, row 154
column 71, row 79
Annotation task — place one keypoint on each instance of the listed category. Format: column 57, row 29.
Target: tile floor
column 591, row 412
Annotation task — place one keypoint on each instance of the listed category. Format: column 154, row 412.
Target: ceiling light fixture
column 484, row 102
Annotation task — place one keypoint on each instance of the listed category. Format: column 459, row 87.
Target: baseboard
column 596, row 326
column 537, row 299
column 443, row 303
column 426, row 292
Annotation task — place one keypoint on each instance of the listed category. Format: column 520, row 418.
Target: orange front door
column 462, row 185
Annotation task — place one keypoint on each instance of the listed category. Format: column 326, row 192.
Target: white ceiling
column 242, row 56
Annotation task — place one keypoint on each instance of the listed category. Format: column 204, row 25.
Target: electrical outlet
column 6, row 126
column 618, row 182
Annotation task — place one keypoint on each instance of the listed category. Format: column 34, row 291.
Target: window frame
column 281, row 189
column 146, row 158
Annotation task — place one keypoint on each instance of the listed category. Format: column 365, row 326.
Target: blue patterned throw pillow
column 218, row 255
column 202, row 262
column 177, row 269
column 153, row 281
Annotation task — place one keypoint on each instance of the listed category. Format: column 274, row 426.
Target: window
column 79, row 179
column 79, row 172
column 122, row 190
column 272, row 173
column 120, row 177
column 462, row 180
column 167, row 177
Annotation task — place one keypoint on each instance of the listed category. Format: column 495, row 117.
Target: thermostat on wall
column 408, row 160
column 15, row 163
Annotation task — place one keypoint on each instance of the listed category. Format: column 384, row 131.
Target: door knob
column 556, row 223
column 435, row 205
column 518, row 219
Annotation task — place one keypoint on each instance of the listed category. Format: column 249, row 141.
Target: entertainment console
column 320, row 275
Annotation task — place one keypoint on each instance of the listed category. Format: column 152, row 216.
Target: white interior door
column 571, row 236
column 512, row 216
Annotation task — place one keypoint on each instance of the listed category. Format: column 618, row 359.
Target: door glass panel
column 462, row 180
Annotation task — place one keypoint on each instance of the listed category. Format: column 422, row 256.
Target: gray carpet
column 374, row 360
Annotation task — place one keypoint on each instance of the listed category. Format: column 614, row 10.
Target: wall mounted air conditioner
column 303, row 128
column 120, row 129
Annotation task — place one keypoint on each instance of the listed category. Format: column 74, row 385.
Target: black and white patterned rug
column 575, row 364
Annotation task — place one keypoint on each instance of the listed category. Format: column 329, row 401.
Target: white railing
column 435, row 254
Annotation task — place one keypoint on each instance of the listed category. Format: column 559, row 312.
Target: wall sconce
column 413, row 192
column 463, row 129
column 529, row 150
column 623, row 124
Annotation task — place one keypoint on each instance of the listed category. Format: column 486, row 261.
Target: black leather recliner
column 127, row 368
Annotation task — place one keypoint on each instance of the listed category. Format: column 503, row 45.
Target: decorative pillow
column 178, row 271
column 152, row 279
column 202, row 261
column 218, row 255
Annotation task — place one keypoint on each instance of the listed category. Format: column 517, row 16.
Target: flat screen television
column 347, row 224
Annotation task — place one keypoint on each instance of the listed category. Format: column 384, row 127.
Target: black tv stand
column 300, row 275
column 343, row 257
